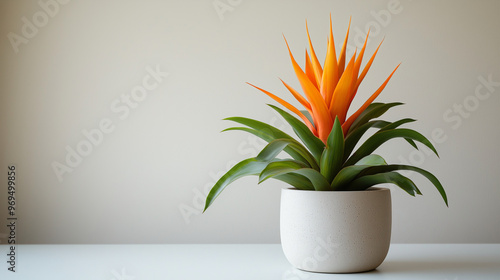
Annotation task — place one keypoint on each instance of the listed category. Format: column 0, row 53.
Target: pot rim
column 371, row 189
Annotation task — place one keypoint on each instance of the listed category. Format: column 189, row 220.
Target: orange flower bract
column 329, row 89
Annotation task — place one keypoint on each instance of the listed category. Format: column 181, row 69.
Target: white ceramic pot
column 336, row 232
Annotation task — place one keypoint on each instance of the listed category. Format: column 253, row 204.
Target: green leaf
column 313, row 143
column 394, row 167
column 298, row 181
column 275, row 169
column 377, row 139
column 354, row 136
column 396, row 125
column 347, row 175
column 372, row 160
column 280, row 170
column 254, row 166
column 270, row 137
column 412, row 143
column 331, row 159
column 308, row 116
column 273, row 149
column 350, row 173
column 264, row 128
column 374, row 110
column 390, row 177
column 276, row 146
column 352, row 140
column 319, row 182
column 246, row 167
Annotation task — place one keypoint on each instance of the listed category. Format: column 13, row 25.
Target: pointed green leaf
column 396, row 125
column 308, row 116
column 346, row 175
column 395, row 167
column 352, row 140
column 372, row 160
column 319, row 182
column 390, row 177
column 313, row 143
column 246, row 167
column 273, row 149
column 276, row 146
column 377, row 139
column 350, row 173
column 412, row 143
column 331, row 159
column 298, row 181
column 279, row 168
column 354, row 136
column 275, row 169
column 265, row 128
column 268, row 138
column 374, row 110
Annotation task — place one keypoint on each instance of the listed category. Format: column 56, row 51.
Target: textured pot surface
column 336, row 232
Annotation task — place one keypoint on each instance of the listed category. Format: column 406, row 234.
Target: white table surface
column 237, row 262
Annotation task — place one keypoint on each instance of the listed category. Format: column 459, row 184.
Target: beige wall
column 148, row 83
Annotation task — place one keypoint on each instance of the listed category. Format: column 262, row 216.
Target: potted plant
column 332, row 218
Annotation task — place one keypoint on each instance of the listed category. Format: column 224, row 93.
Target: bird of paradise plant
column 326, row 160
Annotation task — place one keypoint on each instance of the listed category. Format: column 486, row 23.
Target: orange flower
column 329, row 90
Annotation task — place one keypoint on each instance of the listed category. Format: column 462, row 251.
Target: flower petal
column 298, row 96
column 343, row 51
column 318, row 70
column 318, row 105
column 367, row 67
column 289, row 107
column 357, row 66
column 310, row 71
column 331, row 70
column 352, row 118
column 340, row 100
